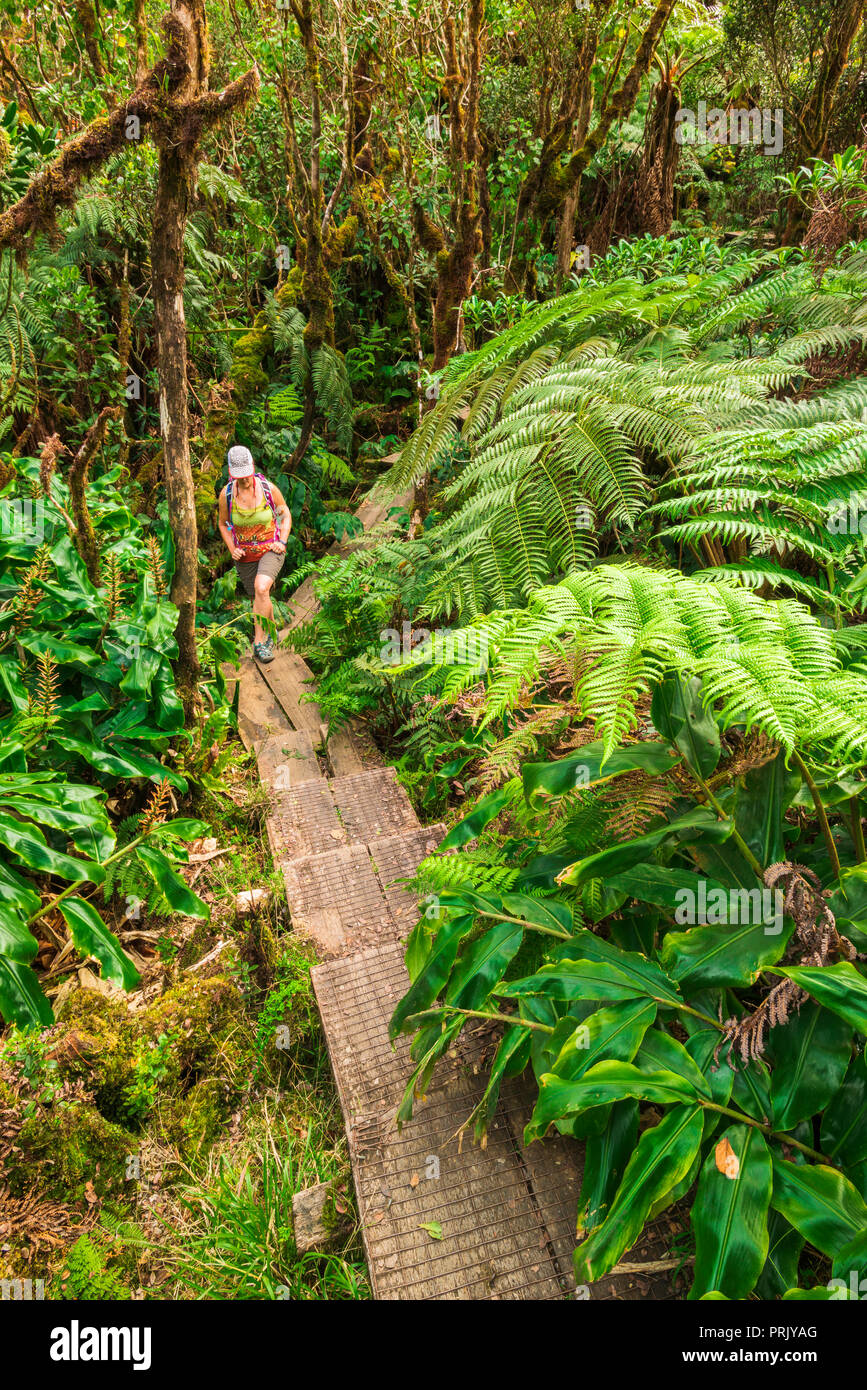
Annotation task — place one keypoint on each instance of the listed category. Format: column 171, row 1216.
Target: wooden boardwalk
column 343, row 832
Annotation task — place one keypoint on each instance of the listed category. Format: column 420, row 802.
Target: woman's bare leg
column 262, row 605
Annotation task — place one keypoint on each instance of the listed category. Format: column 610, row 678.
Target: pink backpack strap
column 266, row 491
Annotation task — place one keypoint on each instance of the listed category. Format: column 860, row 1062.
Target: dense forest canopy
column 576, row 291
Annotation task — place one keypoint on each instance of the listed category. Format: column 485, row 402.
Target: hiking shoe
column 264, row 651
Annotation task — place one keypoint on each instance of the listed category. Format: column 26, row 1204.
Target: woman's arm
column 284, row 517
column 234, row 550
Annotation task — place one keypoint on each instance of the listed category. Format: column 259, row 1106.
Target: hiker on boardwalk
column 255, row 523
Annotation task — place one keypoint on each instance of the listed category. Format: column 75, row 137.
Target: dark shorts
column 270, row 564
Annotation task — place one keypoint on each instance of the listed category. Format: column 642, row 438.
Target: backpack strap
column 229, row 510
column 266, row 491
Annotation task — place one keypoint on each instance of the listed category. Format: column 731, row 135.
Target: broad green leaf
column 752, row 1088
column 551, row 916
column 605, row 1158
column 662, row 885
column 178, row 895
column 722, row 955
column 21, row 999
column 809, row 1056
column 93, row 938
column 602, row 1084
column 539, row 912
column 844, row 1123
column 663, row 1156
column 820, row 1203
column 16, row 939
column 18, row 891
column 63, row 652
column 841, row 988
column 119, row 762
column 483, row 966
column 484, row 811
column 730, row 1214
column 584, row 979
column 760, row 801
column 822, row 1293
column 586, row 945
column 612, row 1034
column 429, row 983
column 88, row 829
column 29, row 845
column 848, row 902
column 718, row 1075
column 784, row 1252
column 660, row 1052
column 620, row 857
column 185, row 828
column 418, row 1083
column 850, row 1263
column 722, row 862
column 589, row 766
column 511, row 1057
column 417, row 950
column 678, row 713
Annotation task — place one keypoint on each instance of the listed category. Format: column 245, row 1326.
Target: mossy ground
column 150, row 1144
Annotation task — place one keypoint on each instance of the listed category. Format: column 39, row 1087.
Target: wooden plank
column 259, row 714
column 303, row 601
column 303, row 604
column 494, row 1244
column 342, row 750
column 289, row 677
column 304, row 822
column 287, row 759
column 335, row 899
column 397, row 857
column 373, row 804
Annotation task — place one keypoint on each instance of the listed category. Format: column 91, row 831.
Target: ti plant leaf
column 730, row 1214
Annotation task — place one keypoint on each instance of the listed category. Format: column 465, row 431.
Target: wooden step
column 373, row 804
column 259, row 714
column 304, row 821
column 507, row 1214
column 335, row 899
column 397, row 857
column 286, row 759
column 289, row 678
column 342, row 751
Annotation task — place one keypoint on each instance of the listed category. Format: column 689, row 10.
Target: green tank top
column 257, row 516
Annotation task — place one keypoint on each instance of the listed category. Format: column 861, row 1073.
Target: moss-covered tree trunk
column 813, row 118
column 175, row 185
column 85, row 536
column 177, row 137
column 572, row 140
column 455, row 252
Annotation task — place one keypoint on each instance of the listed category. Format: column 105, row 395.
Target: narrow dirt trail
column 342, row 837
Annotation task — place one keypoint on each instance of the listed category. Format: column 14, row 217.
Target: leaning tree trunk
column 175, row 186
column 653, row 194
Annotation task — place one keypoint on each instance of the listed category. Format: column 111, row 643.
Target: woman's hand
column 278, row 547
column 237, row 553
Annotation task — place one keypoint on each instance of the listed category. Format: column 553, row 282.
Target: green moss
column 193, row 1121
column 73, row 1152
column 97, row 1045
column 129, row 1060
column 260, row 951
column 199, row 1014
